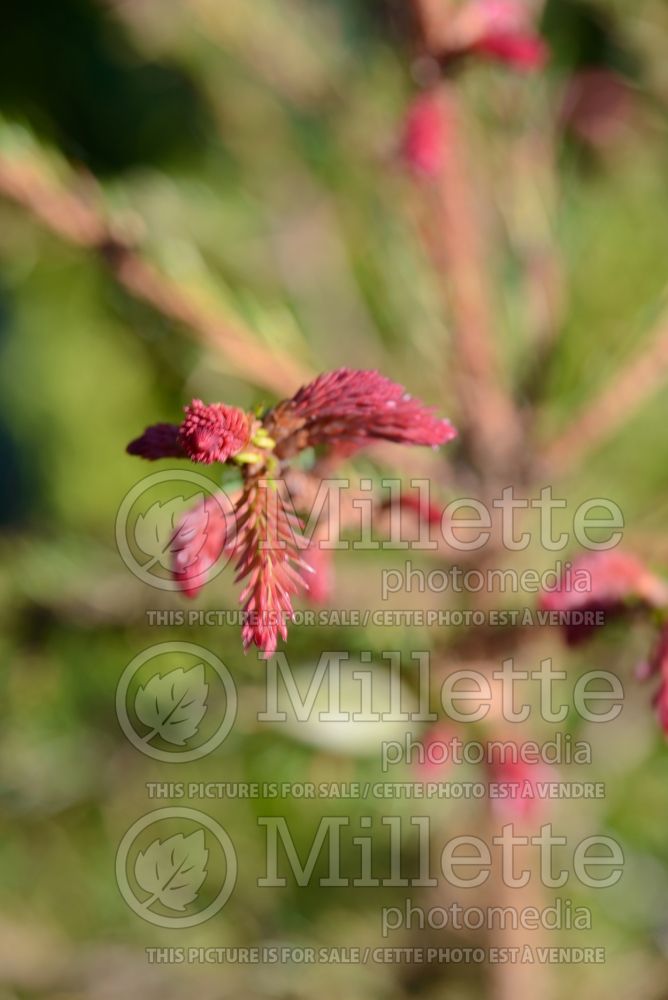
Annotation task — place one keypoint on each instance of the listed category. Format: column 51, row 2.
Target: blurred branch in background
column 74, row 212
column 640, row 379
column 489, row 417
column 491, row 420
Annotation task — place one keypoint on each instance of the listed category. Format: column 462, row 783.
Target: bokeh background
column 251, row 151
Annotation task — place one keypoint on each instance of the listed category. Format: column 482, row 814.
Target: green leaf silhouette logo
column 173, row 705
column 156, row 528
column 172, row 871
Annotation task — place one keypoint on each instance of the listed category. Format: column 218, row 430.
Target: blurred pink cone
column 617, row 581
column 199, row 542
column 436, row 757
column 321, row 580
column 424, row 137
column 516, row 794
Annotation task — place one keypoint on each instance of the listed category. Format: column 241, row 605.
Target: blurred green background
column 252, row 148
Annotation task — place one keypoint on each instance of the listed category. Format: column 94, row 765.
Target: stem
column 491, row 421
column 456, row 242
column 639, row 380
column 76, row 219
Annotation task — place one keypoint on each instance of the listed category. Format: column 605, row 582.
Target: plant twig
column 77, row 219
column 489, row 417
column 627, row 392
column 74, row 217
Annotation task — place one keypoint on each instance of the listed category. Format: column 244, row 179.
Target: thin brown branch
column 76, row 218
column 434, row 18
column 639, row 380
column 490, row 419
